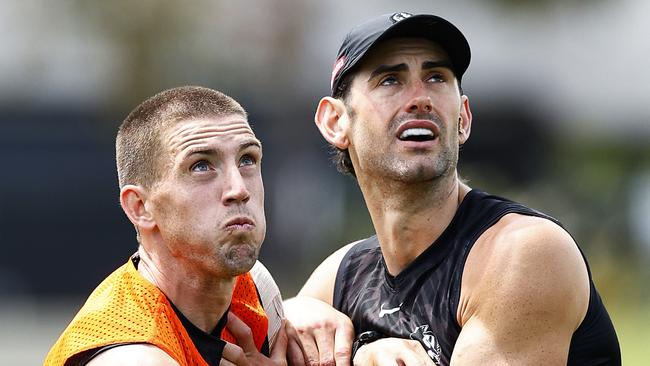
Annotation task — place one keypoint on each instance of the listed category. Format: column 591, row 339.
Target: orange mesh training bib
column 126, row 308
column 246, row 305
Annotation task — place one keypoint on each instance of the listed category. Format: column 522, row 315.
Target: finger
column 412, row 359
column 242, row 332
column 407, row 359
column 325, row 343
column 362, row 357
column 420, row 353
column 408, row 353
column 310, row 350
column 295, row 354
column 224, row 362
column 279, row 352
column 343, row 339
column 382, row 359
column 234, row 354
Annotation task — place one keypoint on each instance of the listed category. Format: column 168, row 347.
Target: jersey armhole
column 457, row 279
column 337, row 298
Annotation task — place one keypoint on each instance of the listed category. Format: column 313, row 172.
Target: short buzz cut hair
column 138, row 146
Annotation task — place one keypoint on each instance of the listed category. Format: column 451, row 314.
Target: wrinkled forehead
column 189, row 132
column 395, row 51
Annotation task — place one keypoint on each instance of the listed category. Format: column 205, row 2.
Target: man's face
column 209, row 203
column 404, row 108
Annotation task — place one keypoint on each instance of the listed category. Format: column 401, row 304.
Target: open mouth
column 417, row 134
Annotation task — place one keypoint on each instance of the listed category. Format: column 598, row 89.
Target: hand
column 322, row 336
column 245, row 353
column 392, row 351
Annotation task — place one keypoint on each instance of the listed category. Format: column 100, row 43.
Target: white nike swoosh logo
column 383, row 311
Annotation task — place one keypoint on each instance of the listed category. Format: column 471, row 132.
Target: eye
column 388, row 80
column 246, row 160
column 437, row 78
column 201, row 166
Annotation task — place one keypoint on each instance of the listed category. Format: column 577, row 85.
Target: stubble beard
column 411, row 169
column 238, row 258
column 416, row 170
column 223, row 259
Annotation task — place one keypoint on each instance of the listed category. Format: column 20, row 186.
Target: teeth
column 415, row 132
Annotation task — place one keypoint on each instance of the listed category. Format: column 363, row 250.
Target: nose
column 420, row 101
column 235, row 190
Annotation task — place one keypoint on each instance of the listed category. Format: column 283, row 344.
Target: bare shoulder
column 525, row 290
column 521, row 240
column 530, row 235
column 320, row 284
column 525, row 258
column 133, row 355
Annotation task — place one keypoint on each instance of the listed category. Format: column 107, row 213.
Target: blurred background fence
column 559, row 91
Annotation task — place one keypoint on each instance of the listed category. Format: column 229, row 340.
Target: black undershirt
column 210, row 346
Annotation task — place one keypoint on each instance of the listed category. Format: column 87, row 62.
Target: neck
column 409, row 217
column 202, row 299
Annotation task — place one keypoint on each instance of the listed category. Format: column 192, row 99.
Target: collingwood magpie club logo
column 383, row 312
column 400, row 16
column 427, row 339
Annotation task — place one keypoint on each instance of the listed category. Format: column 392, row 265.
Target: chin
column 416, row 174
column 413, row 172
column 240, row 259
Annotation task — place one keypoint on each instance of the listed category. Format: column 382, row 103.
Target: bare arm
column 392, row 351
column 133, row 355
column 244, row 353
column 320, row 285
column 525, row 290
column 323, row 335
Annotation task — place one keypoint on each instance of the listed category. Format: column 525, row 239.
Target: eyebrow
column 200, row 151
column 435, row 64
column 382, row 69
column 247, row 144
column 426, row 65
column 211, row 151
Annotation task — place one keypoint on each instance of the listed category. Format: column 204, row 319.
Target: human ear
column 465, row 120
column 331, row 120
column 133, row 200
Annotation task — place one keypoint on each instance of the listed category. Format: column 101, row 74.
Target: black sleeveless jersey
column 422, row 301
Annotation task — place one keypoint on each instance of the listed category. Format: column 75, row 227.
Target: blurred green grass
column 632, row 325
column 622, row 283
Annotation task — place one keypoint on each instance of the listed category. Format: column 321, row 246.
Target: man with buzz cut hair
column 189, row 171
column 454, row 275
